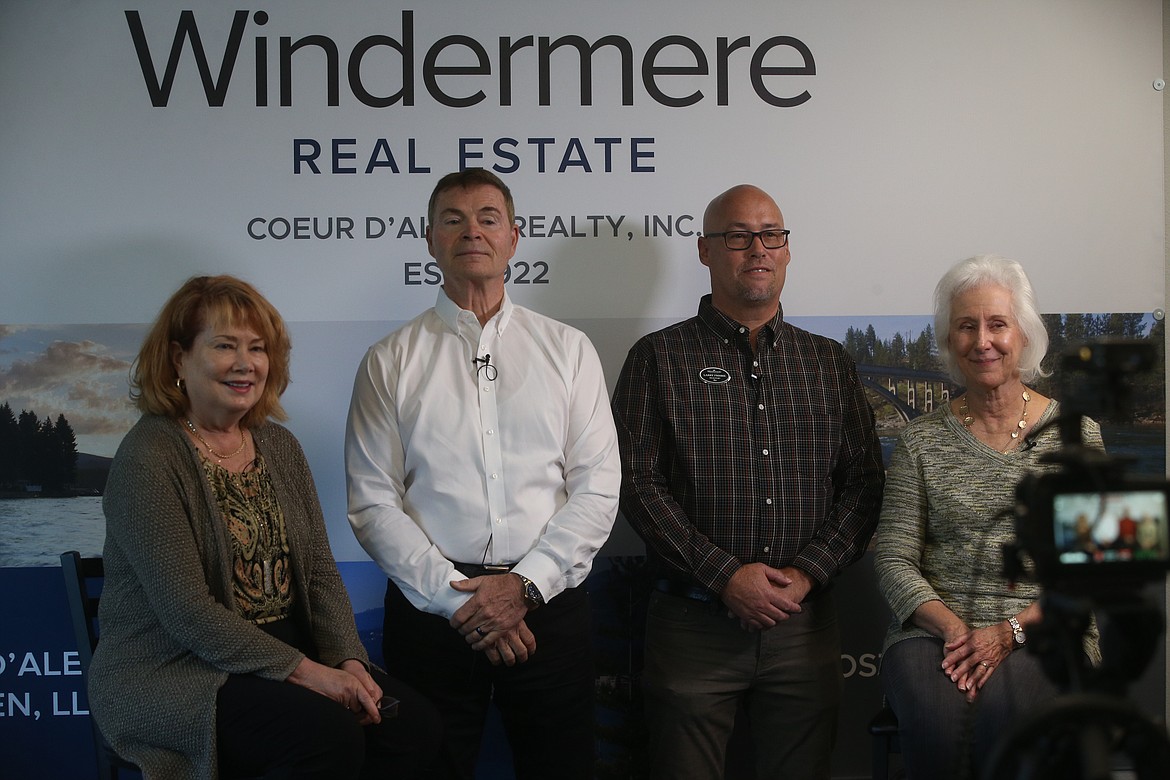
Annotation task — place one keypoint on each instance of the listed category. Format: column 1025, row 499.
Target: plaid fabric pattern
column 731, row 457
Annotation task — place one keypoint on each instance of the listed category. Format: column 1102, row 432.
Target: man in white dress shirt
column 483, row 477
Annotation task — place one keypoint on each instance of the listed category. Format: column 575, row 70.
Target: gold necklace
column 219, row 458
column 969, row 420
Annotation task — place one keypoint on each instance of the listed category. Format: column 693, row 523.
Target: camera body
column 1095, row 539
column 1088, row 527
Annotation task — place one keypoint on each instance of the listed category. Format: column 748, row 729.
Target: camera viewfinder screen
column 1111, row 527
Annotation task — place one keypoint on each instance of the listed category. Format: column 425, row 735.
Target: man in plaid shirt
column 752, row 470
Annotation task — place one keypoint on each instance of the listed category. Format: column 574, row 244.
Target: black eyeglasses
column 742, row 239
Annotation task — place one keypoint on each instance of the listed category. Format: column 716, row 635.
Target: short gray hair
column 1009, row 274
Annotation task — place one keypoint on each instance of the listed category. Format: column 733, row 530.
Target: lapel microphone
column 486, row 368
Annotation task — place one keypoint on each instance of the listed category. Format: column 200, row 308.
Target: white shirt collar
column 453, row 315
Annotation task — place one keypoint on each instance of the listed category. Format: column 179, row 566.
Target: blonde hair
column 200, row 302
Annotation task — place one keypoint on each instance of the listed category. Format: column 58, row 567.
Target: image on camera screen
column 1111, row 527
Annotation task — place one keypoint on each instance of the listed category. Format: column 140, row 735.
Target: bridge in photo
column 912, row 392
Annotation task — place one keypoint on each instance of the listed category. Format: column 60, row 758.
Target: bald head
column 745, row 282
column 727, row 205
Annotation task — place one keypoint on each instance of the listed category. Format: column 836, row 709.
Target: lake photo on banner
column 35, row 531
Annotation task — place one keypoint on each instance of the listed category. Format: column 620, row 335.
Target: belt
column 481, row 569
column 686, row 589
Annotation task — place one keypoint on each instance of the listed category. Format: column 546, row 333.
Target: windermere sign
column 375, row 81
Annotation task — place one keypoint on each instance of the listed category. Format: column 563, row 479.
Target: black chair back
column 83, row 578
column 884, row 728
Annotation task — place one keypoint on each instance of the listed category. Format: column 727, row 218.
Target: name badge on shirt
column 714, row 376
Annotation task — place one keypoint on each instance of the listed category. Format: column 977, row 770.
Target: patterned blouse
column 262, row 577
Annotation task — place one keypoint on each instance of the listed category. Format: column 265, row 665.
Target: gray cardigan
column 170, row 633
column 939, row 537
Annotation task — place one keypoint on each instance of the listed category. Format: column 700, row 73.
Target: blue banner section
column 44, row 715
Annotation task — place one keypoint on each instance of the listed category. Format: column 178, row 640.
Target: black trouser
column 277, row 729
column 546, row 703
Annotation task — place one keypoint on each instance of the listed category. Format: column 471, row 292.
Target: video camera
column 1088, row 528
column 1096, row 539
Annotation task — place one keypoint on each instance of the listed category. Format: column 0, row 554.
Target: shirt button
column 491, row 431
column 486, row 389
column 768, row 501
column 767, row 549
column 765, row 452
column 495, row 476
column 499, row 520
column 756, row 363
column 761, row 407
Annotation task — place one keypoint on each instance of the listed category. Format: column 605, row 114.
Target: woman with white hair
column 951, row 667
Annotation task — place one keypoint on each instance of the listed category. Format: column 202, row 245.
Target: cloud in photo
column 80, row 371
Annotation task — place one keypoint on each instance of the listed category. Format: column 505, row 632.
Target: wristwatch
column 532, row 595
column 1017, row 631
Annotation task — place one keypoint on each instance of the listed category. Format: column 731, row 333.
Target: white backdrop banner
column 295, row 144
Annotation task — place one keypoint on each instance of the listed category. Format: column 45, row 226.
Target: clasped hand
column 971, row 657
column 350, row 685
column 492, row 620
column 761, row 596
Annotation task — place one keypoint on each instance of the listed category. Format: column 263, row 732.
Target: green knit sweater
column 170, row 634
column 940, row 536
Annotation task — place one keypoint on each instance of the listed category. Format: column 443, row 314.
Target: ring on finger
column 480, row 631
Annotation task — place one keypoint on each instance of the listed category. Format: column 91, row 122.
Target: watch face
column 531, row 592
column 1017, row 631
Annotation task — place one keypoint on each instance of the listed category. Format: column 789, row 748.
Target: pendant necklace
column 220, row 458
column 969, row 420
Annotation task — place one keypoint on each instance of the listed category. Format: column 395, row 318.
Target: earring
column 181, row 385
